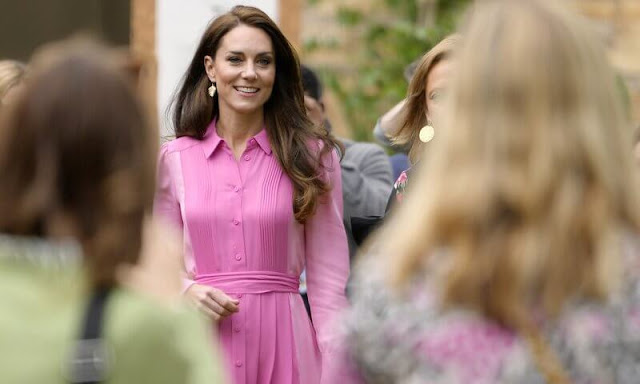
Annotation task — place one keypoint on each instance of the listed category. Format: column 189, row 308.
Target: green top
column 43, row 298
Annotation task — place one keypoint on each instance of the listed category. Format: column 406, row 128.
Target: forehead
column 246, row 39
column 439, row 74
column 308, row 97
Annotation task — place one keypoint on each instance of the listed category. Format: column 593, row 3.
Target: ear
column 321, row 105
column 209, row 68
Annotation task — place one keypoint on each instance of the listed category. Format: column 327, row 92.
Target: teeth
column 247, row 89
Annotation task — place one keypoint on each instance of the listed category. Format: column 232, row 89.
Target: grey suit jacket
column 367, row 181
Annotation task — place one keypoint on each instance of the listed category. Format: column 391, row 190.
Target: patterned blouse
column 391, row 339
column 399, row 190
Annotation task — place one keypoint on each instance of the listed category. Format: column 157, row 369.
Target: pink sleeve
column 327, row 261
column 165, row 203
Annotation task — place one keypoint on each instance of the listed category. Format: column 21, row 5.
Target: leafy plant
column 399, row 33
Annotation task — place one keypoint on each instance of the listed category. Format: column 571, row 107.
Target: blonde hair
column 414, row 110
column 531, row 184
column 11, row 74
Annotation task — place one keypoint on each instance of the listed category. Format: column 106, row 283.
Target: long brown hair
column 415, row 107
column 292, row 136
column 75, row 151
column 531, row 187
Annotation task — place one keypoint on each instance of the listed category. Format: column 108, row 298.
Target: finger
column 207, row 311
column 217, row 308
column 224, row 300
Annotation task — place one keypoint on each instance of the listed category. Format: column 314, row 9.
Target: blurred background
column 360, row 47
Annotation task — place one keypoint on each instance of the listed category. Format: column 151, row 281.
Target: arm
column 213, row 302
column 388, row 124
column 367, row 180
column 327, row 260
column 165, row 204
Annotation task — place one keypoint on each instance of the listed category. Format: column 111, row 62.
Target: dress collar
column 212, row 140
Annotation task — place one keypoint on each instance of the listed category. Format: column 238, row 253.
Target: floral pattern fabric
column 400, row 186
column 411, row 339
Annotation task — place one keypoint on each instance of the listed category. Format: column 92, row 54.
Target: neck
column 236, row 129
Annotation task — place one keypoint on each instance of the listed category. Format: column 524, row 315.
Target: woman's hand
column 211, row 301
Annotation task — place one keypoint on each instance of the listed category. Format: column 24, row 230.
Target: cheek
column 428, row 105
column 270, row 78
column 224, row 75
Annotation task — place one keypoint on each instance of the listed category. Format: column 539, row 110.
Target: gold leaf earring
column 426, row 133
column 212, row 90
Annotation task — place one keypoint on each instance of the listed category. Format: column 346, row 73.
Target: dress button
column 236, row 329
column 238, row 363
column 247, row 157
column 240, row 296
column 238, row 257
column 235, row 222
column 236, row 189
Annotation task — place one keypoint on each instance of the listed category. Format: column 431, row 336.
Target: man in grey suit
column 367, row 177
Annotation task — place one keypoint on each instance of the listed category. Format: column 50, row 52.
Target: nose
column 249, row 72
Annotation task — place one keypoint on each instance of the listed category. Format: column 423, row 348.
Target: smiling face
column 244, row 70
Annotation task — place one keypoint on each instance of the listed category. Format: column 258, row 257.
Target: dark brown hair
column 75, row 149
column 292, row 135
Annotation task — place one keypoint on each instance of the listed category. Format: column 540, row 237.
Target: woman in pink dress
column 256, row 191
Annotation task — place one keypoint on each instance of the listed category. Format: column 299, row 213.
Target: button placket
column 238, row 323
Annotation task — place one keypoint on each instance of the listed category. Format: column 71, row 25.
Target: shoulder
column 428, row 341
column 378, row 322
column 179, row 144
column 367, row 156
column 328, row 158
column 147, row 322
column 142, row 314
column 366, row 148
column 154, row 342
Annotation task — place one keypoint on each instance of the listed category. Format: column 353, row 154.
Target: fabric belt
column 251, row 282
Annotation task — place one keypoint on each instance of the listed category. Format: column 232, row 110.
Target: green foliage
column 348, row 16
column 391, row 38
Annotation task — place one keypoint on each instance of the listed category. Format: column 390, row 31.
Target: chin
column 246, row 108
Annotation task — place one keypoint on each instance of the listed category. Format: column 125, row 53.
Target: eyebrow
column 259, row 54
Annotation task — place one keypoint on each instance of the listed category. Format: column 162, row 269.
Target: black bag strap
column 90, row 359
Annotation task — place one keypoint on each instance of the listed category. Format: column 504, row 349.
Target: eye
column 234, row 59
column 437, row 95
column 264, row 61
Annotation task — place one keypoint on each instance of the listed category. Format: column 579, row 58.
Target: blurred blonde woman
column 11, row 76
column 515, row 257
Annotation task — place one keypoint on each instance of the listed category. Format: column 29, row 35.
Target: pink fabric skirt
column 271, row 339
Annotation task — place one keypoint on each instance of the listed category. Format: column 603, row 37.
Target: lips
column 247, row 90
